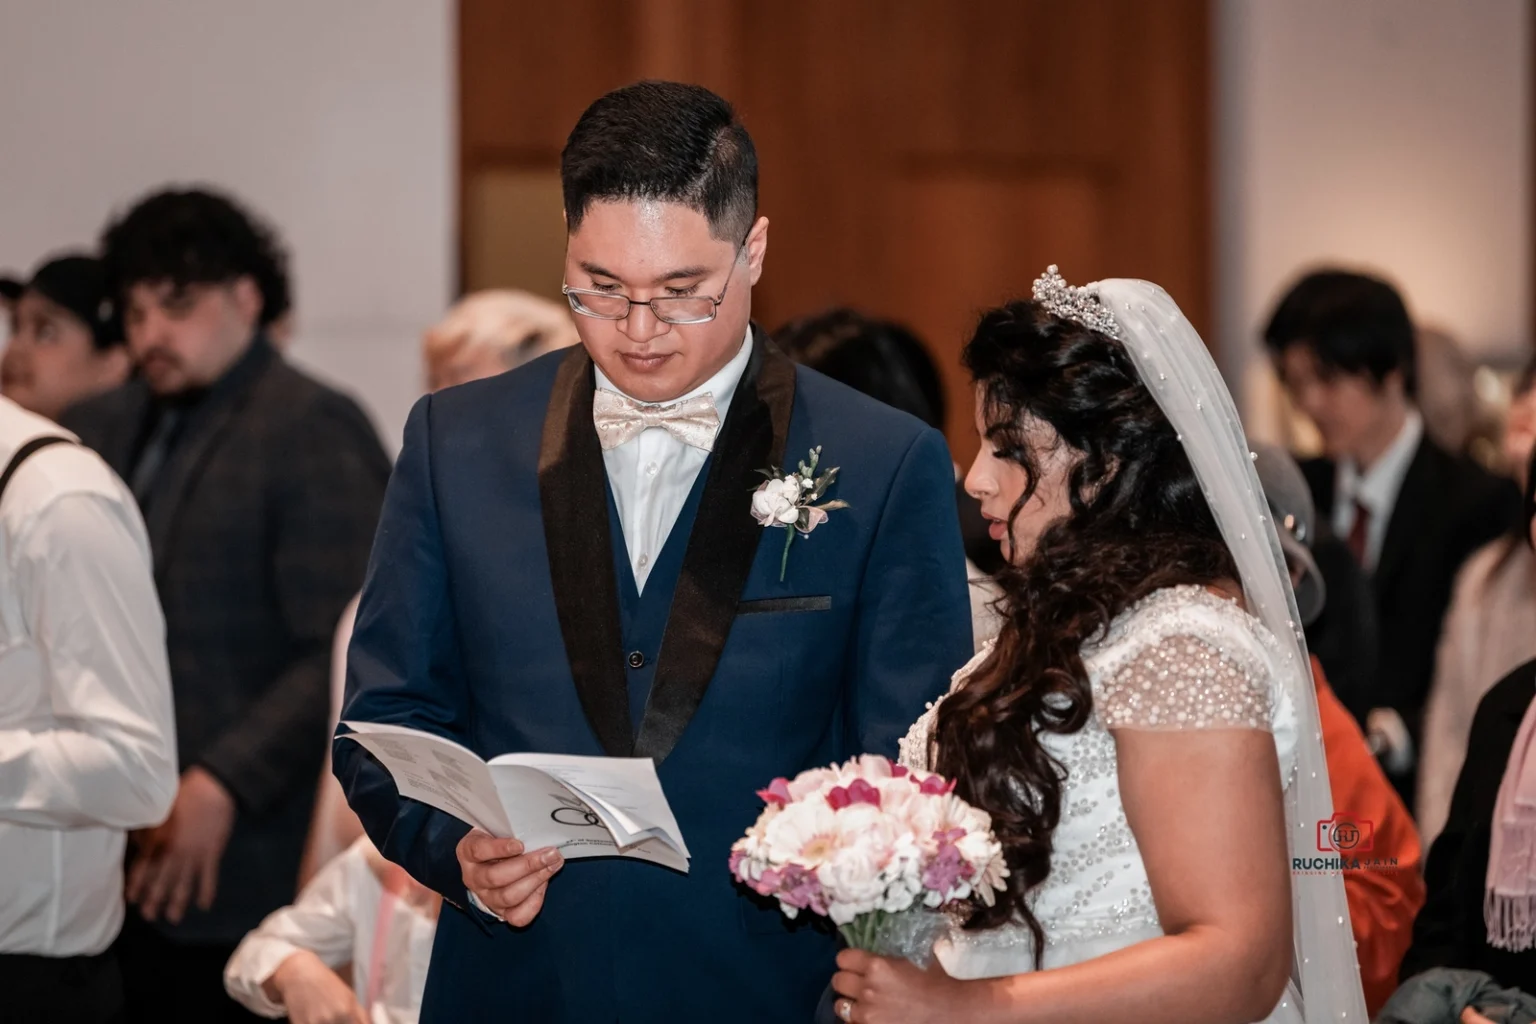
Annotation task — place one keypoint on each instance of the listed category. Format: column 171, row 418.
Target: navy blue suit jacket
column 491, row 615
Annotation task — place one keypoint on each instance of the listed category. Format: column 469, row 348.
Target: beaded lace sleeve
column 915, row 746
column 1185, row 681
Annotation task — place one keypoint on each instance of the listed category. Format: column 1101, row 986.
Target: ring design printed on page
column 844, row 1009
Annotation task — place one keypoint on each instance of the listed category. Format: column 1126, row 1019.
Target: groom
column 568, row 562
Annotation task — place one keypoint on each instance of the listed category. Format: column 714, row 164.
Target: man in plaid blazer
column 261, row 489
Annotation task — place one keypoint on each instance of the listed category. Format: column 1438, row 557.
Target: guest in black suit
column 261, row 489
column 1452, row 929
column 1410, row 511
column 1343, row 636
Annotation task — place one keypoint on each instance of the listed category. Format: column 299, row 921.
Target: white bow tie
column 620, row 419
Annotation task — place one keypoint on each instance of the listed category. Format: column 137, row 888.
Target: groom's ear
column 757, row 249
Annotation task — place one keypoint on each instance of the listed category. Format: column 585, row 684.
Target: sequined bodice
column 1181, row 659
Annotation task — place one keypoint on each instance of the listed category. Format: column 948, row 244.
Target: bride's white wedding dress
column 1183, row 658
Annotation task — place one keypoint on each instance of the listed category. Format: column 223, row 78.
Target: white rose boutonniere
column 792, row 502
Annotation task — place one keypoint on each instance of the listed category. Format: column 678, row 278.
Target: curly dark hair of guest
column 1138, row 523
column 196, row 237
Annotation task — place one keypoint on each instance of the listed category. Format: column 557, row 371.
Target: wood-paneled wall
column 919, row 159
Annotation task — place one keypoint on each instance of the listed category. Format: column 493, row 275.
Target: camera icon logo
column 1346, row 834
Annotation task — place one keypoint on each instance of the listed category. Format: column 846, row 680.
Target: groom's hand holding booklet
column 581, row 806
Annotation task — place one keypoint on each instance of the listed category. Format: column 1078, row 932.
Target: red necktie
column 1359, row 533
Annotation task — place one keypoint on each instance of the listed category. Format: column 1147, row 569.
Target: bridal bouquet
column 873, row 846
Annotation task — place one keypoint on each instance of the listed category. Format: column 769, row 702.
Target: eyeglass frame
column 714, row 309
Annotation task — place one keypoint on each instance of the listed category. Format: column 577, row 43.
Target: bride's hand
column 882, row 990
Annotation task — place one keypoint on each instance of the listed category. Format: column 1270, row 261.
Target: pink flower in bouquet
column 934, row 785
column 856, row 792
column 776, row 793
column 948, row 873
column 797, row 888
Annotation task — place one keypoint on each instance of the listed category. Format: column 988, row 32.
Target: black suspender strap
column 25, row 452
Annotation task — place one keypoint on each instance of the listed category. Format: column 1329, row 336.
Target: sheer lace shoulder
column 1184, row 659
column 914, row 748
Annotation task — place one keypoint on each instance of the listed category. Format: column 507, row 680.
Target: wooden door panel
column 975, row 241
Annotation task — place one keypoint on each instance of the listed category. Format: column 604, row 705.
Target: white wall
column 332, row 118
column 1393, row 134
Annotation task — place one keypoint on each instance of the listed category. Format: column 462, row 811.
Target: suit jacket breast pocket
column 821, row 603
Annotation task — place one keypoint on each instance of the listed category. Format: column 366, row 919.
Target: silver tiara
column 1073, row 303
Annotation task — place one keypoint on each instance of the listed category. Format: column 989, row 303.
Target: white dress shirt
column 87, row 740
column 336, row 918
column 652, row 474
column 1376, row 489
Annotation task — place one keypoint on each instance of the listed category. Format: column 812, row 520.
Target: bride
column 1144, row 732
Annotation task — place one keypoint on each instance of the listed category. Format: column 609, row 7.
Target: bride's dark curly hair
column 1138, row 523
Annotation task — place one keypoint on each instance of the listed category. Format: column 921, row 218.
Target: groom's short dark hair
column 663, row 141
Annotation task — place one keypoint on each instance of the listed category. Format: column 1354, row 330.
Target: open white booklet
column 582, row 806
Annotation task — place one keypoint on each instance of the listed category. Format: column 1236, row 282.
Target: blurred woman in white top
column 360, row 914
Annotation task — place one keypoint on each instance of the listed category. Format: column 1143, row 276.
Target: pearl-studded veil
column 1180, row 373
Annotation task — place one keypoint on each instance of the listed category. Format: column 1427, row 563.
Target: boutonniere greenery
column 793, row 502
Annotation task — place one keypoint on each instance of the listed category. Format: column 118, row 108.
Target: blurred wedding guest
column 1481, row 872
column 333, row 826
column 490, row 332
column 261, row 489
column 1488, row 631
column 1344, row 635
column 87, row 744
column 485, row 333
column 1447, row 389
column 280, row 332
column 66, row 341
column 1410, row 512
column 360, row 913
column 886, row 361
column 1382, row 900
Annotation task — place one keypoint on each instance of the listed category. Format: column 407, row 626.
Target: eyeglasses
column 669, row 309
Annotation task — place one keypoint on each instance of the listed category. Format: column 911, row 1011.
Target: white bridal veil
column 1182, row 377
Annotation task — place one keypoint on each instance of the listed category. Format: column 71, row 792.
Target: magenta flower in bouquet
column 878, row 849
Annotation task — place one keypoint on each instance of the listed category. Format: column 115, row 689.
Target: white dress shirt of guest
column 1375, row 488
column 359, row 910
column 652, row 474
column 87, row 735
